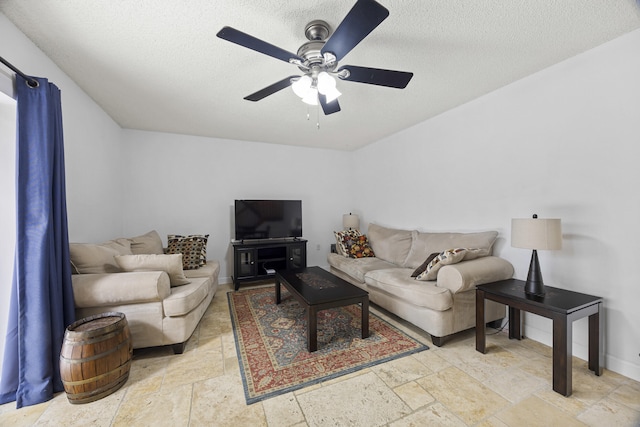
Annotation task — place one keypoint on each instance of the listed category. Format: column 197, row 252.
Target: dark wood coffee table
column 316, row 289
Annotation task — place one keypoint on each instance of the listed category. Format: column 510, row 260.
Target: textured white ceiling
column 158, row 65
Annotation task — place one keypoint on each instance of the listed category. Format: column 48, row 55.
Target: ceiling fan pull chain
column 318, row 116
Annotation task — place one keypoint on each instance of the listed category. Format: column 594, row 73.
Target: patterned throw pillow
column 344, row 240
column 203, row 238
column 424, row 265
column 450, row 256
column 360, row 248
column 193, row 249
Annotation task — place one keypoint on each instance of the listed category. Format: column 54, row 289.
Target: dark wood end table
column 560, row 305
column 316, row 289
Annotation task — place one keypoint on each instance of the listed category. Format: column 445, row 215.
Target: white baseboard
column 611, row 363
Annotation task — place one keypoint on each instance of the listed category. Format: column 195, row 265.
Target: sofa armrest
column 467, row 274
column 103, row 290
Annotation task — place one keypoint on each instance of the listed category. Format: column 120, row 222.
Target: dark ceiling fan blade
column 328, row 107
column 270, row 90
column 377, row 76
column 363, row 18
column 246, row 40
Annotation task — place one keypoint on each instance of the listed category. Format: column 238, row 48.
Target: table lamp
column 535, row 233
column 350, row 221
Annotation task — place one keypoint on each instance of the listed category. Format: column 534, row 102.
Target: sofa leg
column 437, row 341
column 179, row 348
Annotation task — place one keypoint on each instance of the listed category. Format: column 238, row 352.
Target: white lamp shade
column 350, row 221
column 311, row 97
column 302, row 86
column 332, row 94
column 325, row 82
column 536, row 233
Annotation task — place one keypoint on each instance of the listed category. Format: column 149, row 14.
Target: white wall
column 92, row 143
column 181, row 184
column 562, row 143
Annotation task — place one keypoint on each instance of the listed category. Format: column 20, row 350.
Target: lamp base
column 534, row 284
column 534, row 288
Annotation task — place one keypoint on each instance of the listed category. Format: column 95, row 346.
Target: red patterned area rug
column 272, row 346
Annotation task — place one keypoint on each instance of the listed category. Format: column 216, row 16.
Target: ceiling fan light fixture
column 327, row 86
column 311, row 97
column 302, row 86
column 325, row 82
column 332, row 94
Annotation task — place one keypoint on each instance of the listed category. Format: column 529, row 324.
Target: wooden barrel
column 96, row 357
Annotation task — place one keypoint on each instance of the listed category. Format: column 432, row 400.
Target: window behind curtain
column 8, row 208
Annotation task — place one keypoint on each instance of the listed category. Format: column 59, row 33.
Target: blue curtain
column 41, row 296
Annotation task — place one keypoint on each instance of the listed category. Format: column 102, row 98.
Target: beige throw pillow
column 450, row 256
column 88, row 258
column 171, row 264
column 149, row 243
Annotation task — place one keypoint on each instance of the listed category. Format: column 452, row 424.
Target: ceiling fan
column 318, row 58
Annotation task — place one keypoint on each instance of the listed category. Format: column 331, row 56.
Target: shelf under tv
column 252, row 258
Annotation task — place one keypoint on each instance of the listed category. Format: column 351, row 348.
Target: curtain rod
column 31, row 82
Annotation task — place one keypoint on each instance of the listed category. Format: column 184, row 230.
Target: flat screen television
column 268, row 219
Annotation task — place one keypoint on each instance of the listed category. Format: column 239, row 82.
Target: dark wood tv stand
column 259, row 259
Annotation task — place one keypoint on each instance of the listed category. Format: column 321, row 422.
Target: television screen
column 268, row 219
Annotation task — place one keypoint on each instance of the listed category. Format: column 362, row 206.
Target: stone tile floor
column 449, row 386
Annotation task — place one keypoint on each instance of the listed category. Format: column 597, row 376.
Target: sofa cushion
column 88, row 258
column 428, row 243
column 399, row 283
column 183, row 299
column 210, row 269
column 390, row 244
column 358, row 267
column 450, row 256
column 172, row 264
column 149, row 243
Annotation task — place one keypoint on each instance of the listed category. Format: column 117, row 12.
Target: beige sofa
column 442, row 306
column 162, row 301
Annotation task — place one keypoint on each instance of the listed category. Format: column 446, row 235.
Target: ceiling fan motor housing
column 317, row 32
